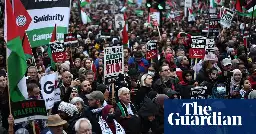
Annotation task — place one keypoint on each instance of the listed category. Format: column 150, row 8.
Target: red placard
column 196, row 53
column 151, row 54
column 59, row 57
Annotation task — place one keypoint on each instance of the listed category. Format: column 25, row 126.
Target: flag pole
column 10, row 129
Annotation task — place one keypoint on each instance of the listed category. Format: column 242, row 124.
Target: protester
column 115, row 76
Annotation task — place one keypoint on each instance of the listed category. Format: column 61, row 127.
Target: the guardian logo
column 202, row 116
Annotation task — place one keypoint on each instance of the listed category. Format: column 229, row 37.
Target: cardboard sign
column 48, row 89
column 151, row 50
column 119, row 21
column 113, row 61
column 196, row 53
column 198, row 42
column 58, row 51
column 28, row 110
column 70, row 38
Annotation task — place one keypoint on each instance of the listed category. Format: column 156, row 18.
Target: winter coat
column 148, row 109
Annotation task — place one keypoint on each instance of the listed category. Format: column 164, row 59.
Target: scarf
column 97, row 110
column 106, row 129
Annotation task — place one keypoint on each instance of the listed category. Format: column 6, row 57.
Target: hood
column 148, row 108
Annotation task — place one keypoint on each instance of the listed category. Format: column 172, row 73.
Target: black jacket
column 140, row 95
column 148, row 109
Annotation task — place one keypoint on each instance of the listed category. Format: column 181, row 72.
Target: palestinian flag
column 125, row 33
column 215, row 3
column 49, row 51
column 84, row 2
column 249, row 13
column 16, row 61
column 23, row 21
column 239, row 5
column 45, row 14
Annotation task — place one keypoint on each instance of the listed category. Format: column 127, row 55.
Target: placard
column 198, row 92
column 48, row 89
column 198, row 42
column 70, row 38
column 196, row 53
column 226, row 18
column 210, row 44
column 113, row 61
column 58, row 51
column 119, row 21
column 151, row 47
column 27, row 110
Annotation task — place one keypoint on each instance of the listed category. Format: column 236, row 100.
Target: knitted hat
column 67, row 108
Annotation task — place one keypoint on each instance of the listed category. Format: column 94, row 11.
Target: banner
column 113, row 61
column 48, row 89
column 226, row 18
column 58, row 52
column 119, row 21
column 151, row 47
column 27, row 110
column 209, row 116
column 45, row 14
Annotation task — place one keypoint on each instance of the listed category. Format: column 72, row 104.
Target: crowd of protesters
column 87, row 105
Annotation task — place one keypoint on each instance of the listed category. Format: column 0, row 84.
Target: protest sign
column 151, row 49
column 27, row 110
column 113, row 61
column 58, row 51
column 226, row 18
column 48, row 89
column 198, row 92
column 45, row 15
column 210, row 44
column 196, row 53
column 70, row 38
column 119, row 21
column 198, row 42
column 155, row 18
column 188, row 3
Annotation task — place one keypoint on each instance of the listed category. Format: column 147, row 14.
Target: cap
column 101, row 87
column 97, row 95
column 226, row 62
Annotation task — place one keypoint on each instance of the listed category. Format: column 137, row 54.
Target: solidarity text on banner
column 45, row 14
column 113, row 61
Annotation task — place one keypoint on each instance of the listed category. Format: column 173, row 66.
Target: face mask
column 110, row 117
column 151, row 73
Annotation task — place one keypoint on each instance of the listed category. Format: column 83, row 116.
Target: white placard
column 119, row 21
column 48, row 89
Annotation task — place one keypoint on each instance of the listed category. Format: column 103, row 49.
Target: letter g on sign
column 48, row 87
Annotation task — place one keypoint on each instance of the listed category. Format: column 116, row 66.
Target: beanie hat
column 160, row 99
